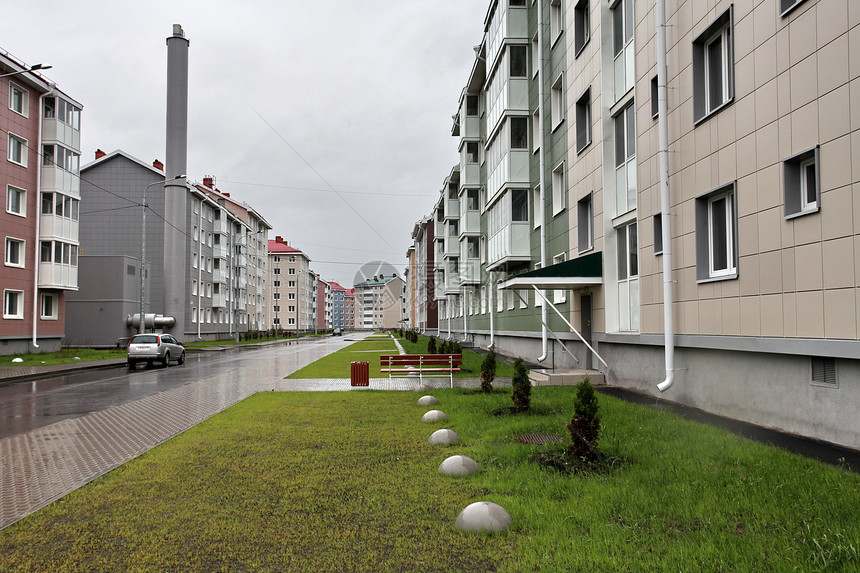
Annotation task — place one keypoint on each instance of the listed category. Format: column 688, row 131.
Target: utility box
column 359, row 374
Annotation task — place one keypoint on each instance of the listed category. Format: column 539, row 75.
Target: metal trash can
column 359, row 374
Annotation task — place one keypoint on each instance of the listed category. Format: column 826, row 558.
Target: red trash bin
column 359, row 374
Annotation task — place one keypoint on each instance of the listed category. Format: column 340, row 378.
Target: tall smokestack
column 175, row 191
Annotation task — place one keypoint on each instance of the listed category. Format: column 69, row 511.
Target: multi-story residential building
column 292, row 293
column 349, row 309
column 223, row 285
column 410, row 319
column 379, row 302
column 324, row 304
column 338, row 306
column 40, row 221
column 424, row 312
column 677, row 210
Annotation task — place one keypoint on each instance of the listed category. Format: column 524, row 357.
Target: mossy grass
column 298, row 481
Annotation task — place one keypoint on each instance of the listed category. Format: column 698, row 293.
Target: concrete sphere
column 483, row 516
column 427, row 401
column 444, row 437
column 459, row 466
column 434, row 416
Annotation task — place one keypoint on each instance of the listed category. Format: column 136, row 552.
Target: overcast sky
column 287, row 101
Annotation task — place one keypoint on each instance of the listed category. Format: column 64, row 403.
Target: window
column 538, row 207
column 276, row 271
column 625, row 160
column 583, row 121
column 291, row 271
column 17, row 150
column 472, row 105
column 537, row 131
column 824, row 372
column 472, row 247
column 15, row 252
column 658, row 234
column 291, row 296
column 291, row 308
column 194, row 260
column 622, row 46
column 471, row 152
column 291, row 284
column 535, row 55
column 786, row 6
column 19, row 99
column 194, row 287
column 196, row 233
column 517, row 3
column 276, row 284
column 47, row 203
column 13, row 304
column 581, row 26
column 585, row 223
column 276, row 308
column 557, row 102
column 48, row 306
column 628, row 277
column 559, row 295
column 558, row 190
column 519, row 133
column 519, row 61
column 50, row 108
column 655, row 104
column 716, row 224
column 555, row 20
column 16, row 201
column 713, row 68
column 519, row 205
column 801, row 180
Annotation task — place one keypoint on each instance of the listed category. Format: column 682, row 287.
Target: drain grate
column 538, row 439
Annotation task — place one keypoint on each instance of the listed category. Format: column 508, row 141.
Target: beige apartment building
column 291, row 291
column 379, row 302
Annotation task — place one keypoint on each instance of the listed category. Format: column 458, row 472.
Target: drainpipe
column 492, row 322
column 665, row 205
column 200, row 267
column 465, row 314
column 448, row 312
column 36, row 257
column 542, row 167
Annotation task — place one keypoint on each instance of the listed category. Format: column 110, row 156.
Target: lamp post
column 32, row 68
column 142, row 327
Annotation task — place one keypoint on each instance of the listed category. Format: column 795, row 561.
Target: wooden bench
column 422, row 365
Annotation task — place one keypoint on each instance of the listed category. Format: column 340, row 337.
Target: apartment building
column 324, row 304
column 223, row 287
column 291, row 306
column 423, row 312
column 41, row 219
column 682, row 212
column 349, row 309
column 338, row 306
column 379, row 302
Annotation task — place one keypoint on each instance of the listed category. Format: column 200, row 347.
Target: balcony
column 452, row 283
column 470, row 223
column 510, row 244
column 452, row 208
column 219, row 276
column 452, row 247
column 506, row 22
column 62, row 133
column 58, row 227
column 55, row 178
column 58, row 276
column 219, row 300
column 470, row 271
column 220, row 226
column 219, row 251
column 513, row 168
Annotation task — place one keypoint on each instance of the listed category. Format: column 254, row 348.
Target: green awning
column 577, row 273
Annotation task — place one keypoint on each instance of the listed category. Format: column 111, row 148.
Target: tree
column 488, row 371
column 585, row 425
column 522, row 386
column 431, row 345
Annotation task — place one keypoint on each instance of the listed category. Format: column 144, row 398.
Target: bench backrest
column 421, row 359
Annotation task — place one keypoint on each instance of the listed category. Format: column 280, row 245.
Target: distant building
column 379, row 302
column 338, row 306
column 323, row 304
column 40, row 222
column 349, row 309
column 292, row 293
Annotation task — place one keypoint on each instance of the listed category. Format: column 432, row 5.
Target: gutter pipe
column 665, row 202
column 200, row 260
column 36, row 257
column 542, row 176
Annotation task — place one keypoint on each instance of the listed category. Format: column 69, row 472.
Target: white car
column 154, row 347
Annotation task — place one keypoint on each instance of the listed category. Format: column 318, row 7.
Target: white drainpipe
column 492, row 287
column 665, row 203
column 542, row 163
column 38, row 249
column 200, row 267
column 465, row 314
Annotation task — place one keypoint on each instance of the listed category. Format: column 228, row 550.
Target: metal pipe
column 36, row 257
column 665, row 200
column 542, row 176
column 199, row 268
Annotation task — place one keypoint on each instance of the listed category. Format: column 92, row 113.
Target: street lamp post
column 142, row 327
column 32, row 68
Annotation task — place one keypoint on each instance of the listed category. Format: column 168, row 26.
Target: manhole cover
column 538, row 439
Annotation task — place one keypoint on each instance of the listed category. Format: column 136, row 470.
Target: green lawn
column 64, row 356
column 345, row 481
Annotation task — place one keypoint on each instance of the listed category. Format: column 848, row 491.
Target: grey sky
column 363, row 90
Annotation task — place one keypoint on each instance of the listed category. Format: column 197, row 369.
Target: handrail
column 567, row 322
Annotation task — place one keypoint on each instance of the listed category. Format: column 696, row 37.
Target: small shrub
column 585, row 425
column 522, row 386
column 431, row 345
column 488, row 371
column 456, row 348
column 444, row 347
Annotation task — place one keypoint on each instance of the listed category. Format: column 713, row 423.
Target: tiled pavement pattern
column 43, row 465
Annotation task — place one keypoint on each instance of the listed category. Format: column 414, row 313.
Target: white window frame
column 583, row 121
column 11, row 191
column 581, row 25
column 556, row 22
column 628, row 276
column 626, row 199
column 25, row 99
column 21, row 250
column 585, row 223
column 557, row 102
column 705, row 234
column 55, row 302
column 558, row 189
column 796, row 184
column 19, row 141
column 559, row 296
column 19, row 303
column 720, row 30
column 726, row 218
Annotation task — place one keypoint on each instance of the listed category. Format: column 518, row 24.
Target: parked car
column 337, row 332
column 150, row 348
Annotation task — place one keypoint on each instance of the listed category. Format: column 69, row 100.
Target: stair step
column 545, row 377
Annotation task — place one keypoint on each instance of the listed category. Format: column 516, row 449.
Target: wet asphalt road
column 25, row 406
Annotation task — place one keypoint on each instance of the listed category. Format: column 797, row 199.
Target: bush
column 522, row 387
column 431, row 345
column 456, row 348
column 488, row 371
column 585, row 425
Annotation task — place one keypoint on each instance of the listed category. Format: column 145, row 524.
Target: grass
column 64, row 356
column 347, row 481
column 471, row 366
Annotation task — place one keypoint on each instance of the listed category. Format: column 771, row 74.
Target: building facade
column 40, row 222
column 292, row 294
column 338, row 306
column 379, row 302
column 679, row 209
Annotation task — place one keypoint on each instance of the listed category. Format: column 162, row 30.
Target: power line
column 317, row 190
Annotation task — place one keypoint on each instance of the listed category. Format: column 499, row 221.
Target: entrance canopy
column 580, row 272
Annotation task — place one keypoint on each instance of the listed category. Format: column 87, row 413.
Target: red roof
column 336, row 286
column 280, row 247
